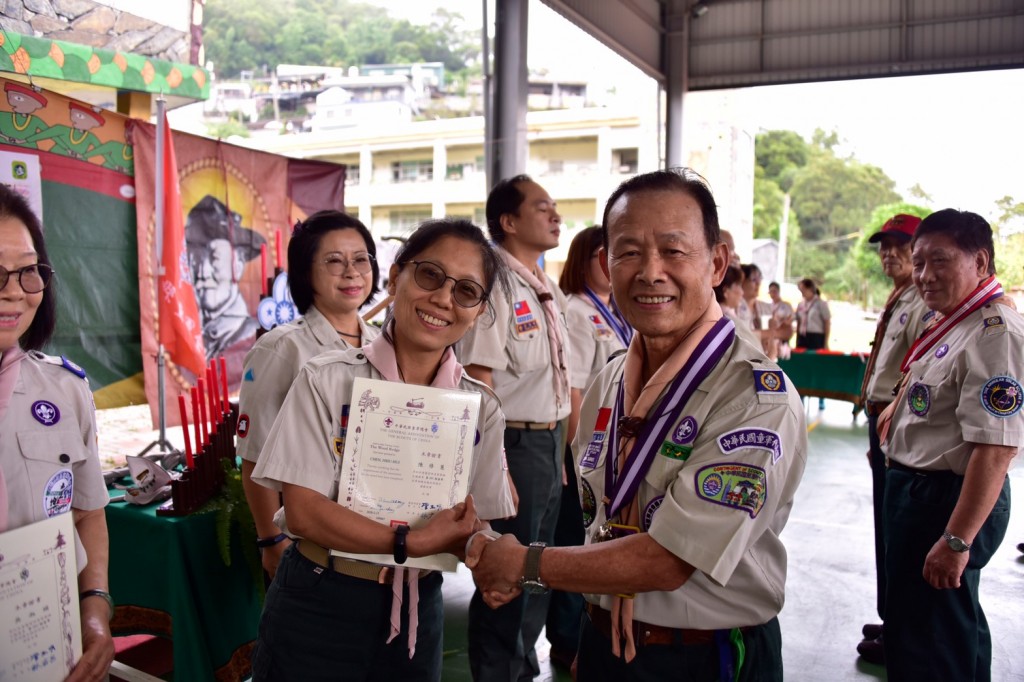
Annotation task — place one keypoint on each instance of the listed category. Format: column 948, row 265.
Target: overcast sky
column 960, row 136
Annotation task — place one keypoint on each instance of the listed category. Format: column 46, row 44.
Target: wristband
column 270, row 542
column 82, row 596
column 401, row 551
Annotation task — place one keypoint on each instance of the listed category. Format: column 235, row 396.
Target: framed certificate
column 40, row 626
column 407, row 454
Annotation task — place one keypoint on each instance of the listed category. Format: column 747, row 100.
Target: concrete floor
column 830, row 590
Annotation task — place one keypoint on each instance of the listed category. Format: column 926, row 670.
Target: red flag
column 180, row 330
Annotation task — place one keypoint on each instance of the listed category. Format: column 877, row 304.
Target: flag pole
column 165, row 450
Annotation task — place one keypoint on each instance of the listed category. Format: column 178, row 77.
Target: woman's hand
column 447, row 531
column 97, row 643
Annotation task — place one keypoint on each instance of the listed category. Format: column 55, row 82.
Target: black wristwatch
column 263, row 543
column 531, row 582
column 956, row 544
column 401, row 551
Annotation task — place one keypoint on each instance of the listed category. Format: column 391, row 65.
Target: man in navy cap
column 899, row 325
column 218, row 249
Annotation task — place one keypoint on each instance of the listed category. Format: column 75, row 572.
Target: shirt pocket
column 528, row 352
column 50, row 457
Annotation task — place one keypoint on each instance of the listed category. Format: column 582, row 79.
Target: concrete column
column 365, row 177
column 510, row 90
column 437, row 208
column 676, row 66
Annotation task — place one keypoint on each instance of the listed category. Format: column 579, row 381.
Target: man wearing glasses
column 523, row 356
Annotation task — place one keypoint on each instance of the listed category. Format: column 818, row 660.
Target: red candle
column 263, row 268
column 195, row 419
column 211, row 387
column 215, row 388
column 184, row 432
column 224, row 384
column 202, row 411
column 277, row 247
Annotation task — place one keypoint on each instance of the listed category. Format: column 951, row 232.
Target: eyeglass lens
column 430, row 277
column 337, row 265
column 31, row 278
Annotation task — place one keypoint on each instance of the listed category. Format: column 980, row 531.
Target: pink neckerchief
column 639, row 398
column 381, row 354
column 10, row 370
column 560, row 373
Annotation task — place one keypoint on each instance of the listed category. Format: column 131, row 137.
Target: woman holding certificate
column 48, row 459
column 333, row 272
column 329, row 616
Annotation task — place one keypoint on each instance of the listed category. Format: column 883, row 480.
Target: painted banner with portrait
column 236, row 201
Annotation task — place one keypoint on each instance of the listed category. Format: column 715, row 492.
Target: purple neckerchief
column 611, row 315
column 621, row 488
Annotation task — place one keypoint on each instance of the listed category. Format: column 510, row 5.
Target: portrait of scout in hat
column 21, row 122
column 218, row 249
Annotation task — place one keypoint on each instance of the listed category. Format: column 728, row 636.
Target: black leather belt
column 929, row 473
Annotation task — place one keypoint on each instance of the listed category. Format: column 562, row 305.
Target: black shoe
column 872, row 651
column 1020, row 547
column 563, row 658
column 872, row 630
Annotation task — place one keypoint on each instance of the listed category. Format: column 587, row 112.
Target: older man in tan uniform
column 901, row 322
column 690, row 449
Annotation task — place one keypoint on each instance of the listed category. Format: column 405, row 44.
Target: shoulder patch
column 58, row 362
column 928, row 316
column 993, row 325
column 72, row 367
column 732, row 484
column 769, row 381
column 751, row 438
column 1001, row 396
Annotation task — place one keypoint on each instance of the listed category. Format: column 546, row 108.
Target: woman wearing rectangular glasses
column 329, row 618
column 332, row 273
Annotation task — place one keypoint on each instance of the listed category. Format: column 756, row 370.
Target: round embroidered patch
column 243, row 425
column 1001, row 396
column 942, row 350
column 919, row 399
column 58, row 492
column 712, row 485
column 589, row 503
column 686, row 432
column 649, row 510
column 903, row 318
column 45, row 412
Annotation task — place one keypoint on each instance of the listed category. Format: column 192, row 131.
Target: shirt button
column 64, row 458
column 360, row 356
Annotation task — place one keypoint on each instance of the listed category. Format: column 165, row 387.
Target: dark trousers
column 566, row 608
column 877, row 499
column 811, row 341
column 762, row 661
column 501, row 640
column 320, row 625
column 934, row 634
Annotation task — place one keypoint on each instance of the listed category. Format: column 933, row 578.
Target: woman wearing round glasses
column 49, row 464
column 332, row 273
column 334, row 617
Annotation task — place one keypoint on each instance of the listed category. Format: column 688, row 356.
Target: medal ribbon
column 986, row 292
column 612, row 316
column 621, row 487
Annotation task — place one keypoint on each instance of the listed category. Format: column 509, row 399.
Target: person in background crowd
column 49, row 463
column 730, row 243
column 597, row 331
column 325, row 616
column 690, row 448
column 781, row 324
column 950, row 435
column 525, row 357
column 813, row 321
column 332, row 273
column 729, row 294
column 750, row 308
column 899, row 325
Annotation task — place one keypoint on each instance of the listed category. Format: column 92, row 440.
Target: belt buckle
column 386, row 576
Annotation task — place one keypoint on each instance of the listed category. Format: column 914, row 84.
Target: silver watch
column 956, row 544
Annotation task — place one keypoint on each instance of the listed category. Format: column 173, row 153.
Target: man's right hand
column 271, row 556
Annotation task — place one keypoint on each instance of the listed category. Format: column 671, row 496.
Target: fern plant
column 232, row 511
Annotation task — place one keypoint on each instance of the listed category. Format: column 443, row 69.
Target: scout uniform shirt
column 48, row 451
column 305, row 446
column 271, row 367
column 967, row 389
column 905, row 325
column 592, row 341
column 718, row 493
column 515, row 346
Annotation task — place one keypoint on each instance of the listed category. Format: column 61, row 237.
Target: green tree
column 780, row 154
column 1009, row 242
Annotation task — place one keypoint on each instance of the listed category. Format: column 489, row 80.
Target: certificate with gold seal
column 408, row 454
column 40, row 627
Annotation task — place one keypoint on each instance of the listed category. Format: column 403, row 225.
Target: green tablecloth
column 826, row 375
column 167, row 578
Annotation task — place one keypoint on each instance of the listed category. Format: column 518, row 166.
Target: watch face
column 956, row 544
column 533, row 587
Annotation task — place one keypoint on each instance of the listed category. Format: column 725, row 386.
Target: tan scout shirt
column 904, row 327
column 592, row 341
column 272, row 365
column 718, row 493
column 48, row 448
column 300, row 448
column 965, row 390
column 516, row 348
